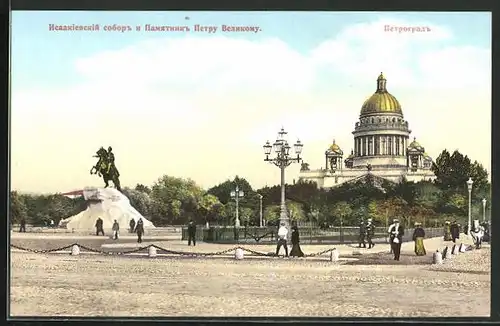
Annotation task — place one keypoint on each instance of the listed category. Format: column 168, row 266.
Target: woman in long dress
column 418, row 237
column 296, row 251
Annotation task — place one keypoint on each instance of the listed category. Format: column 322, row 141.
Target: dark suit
column 455, row 232
column 99, row 226
column 139, row 229
column 397, row 232
column 191, row 234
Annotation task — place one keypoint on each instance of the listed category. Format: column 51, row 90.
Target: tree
column 143, row 188
column 340, row 211
column 455, row 204
column 140, row 200
column 272, row 213
column 168, row 192
column 427, row 195
column 452, row 171
column 224, row 189
column 228, row 213
column 207, row 203
column 246, row 214
column 18, row 209
column 295, row 211
column 376, row 211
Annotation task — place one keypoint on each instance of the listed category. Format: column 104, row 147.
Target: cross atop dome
column 381, row 82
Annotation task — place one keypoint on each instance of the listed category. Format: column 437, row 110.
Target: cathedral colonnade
column 380, row 145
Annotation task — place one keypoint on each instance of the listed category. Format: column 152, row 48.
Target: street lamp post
column 282, row 160
column 260, row 210
column 236, row 195
column 484, row 209
column 469, row 188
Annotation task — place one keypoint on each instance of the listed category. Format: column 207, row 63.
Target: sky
column 201, row 105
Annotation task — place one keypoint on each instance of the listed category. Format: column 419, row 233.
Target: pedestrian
column 191, row 229
column 22, row 228
column 389, row 231
column 139, row 229
column 477, row 233
column 362, row 234
column 370, row 233
column 116, row 230
column 52, row 224
column 486, row 236
column 396, row 236
column 98, row 226
column 282, row 234
column 455, row 231
column 131, row 224
column 447, row 231
column 296, row 251
column 418, row 237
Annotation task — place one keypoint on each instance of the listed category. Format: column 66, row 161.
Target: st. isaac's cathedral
column 381, row 147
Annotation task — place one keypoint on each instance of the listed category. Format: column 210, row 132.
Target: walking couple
column 282, row 236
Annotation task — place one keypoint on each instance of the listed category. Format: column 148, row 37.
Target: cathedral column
column 394, row 145
column 402, row 146
column 373, row 146
column 387, row 149
column 365, row 141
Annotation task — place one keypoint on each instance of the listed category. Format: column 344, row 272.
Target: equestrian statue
column 105, row 167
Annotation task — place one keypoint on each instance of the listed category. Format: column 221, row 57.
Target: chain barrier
column 168, row 251
column 36, row 251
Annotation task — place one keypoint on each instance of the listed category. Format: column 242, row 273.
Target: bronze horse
column 101, row 169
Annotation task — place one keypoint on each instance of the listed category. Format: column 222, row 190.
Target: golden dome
column 334, row 148
column 415, row 144
column 381, row 101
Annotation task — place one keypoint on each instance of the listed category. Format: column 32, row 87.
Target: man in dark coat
column 396, row 239
column 23, row 225
column 191, row 229
column 370, row 232
column 455, row 231
column 362, row 234
column 132, row 225
column 116, row 230
column 98, row 226
column 139, row 229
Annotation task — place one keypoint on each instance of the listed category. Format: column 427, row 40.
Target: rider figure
column 111, row 159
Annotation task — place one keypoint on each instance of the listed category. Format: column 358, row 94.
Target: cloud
column 203, row 107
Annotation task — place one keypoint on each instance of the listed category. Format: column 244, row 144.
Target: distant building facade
column 381, row 147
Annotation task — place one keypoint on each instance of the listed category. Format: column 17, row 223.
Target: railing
column 337, row 235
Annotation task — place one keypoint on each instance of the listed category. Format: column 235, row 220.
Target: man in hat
column 191, row 230
column 99, row 226
column 139, row 229
column 116, row 230
column 455, row 231
column 370, row 232
column 389, row 231
column 362, row 234
column 282, row 234
column 396, row 238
